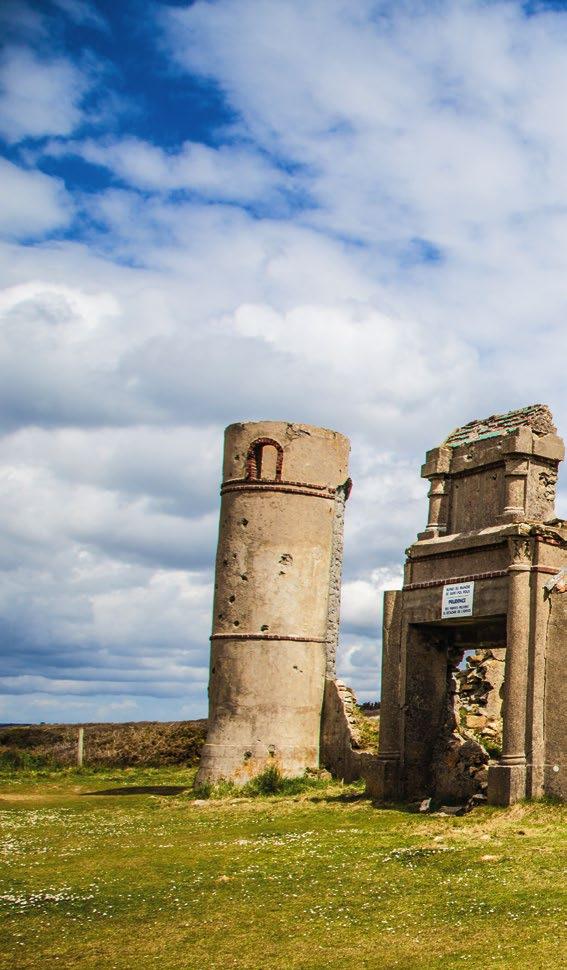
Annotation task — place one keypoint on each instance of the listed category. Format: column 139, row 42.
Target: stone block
column 506, row 784
column 382, row 777
column 550, row 446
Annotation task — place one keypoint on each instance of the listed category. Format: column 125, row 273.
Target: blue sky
column 369, row 199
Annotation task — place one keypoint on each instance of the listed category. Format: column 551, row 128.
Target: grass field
column 125, row 869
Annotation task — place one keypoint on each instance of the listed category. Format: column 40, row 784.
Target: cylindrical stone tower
column 275, row 606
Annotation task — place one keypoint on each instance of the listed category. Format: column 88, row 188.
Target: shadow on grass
column 141, row 790
column 362, row 796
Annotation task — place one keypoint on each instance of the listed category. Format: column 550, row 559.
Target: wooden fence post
column 81, row 747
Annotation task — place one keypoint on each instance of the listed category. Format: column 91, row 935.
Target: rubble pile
column 479, row 696
column 459, row 766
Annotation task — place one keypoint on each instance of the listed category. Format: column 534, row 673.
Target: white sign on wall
column 457, row 600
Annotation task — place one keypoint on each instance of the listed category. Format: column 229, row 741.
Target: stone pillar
column 507, row 780
column 436, row 469
column 277, row 538
column 515, row 479
column 437, row 524
column 383, row 782
column 540, row 610
column 334, row 601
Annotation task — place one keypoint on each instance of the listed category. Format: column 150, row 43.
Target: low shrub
column 368, row 730
column 14, row 760
column 267, row 783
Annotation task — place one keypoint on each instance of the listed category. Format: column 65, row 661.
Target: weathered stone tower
column 275, row 613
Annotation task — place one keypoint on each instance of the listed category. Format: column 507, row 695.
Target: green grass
column 268, row 782
column 315, row 879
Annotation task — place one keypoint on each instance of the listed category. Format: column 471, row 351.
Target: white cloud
column 31, row 203
column 418, row 282
column 361, row 599
column 400, row 126
column 61, row 351
column 359, row 657
column 357, row 339
column 181, row 475
column 39, row 97
column 229, row 173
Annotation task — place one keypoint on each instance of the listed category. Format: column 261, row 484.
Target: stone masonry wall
column 480, row 687
column 334, row 601
column 472, row 730
column 459, row 766
column 342, row 745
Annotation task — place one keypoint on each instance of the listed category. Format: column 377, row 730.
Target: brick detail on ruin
column 269, row 481
column 287, row 488
column 254, row 458
column 265, row 636
column 549, row 540
column 535, row 416
column 472, row 577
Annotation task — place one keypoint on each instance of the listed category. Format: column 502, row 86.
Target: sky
column 367, row 199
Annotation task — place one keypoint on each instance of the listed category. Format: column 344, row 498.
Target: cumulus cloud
column 361, row 600
column 358, row 661
column 39, row 97
column 228, row 173
column 60, row 355
column 428, row 131
column 32, row 204
column 381, row 229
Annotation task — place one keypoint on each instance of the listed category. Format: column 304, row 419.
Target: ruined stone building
column 485, row 575
column 473, row 691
